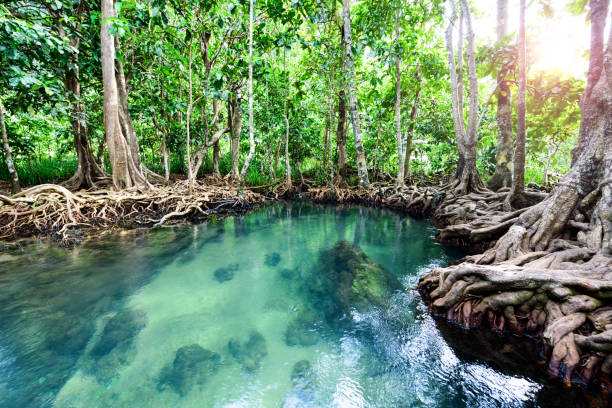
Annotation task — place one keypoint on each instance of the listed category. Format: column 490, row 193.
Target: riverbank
column 51, row 211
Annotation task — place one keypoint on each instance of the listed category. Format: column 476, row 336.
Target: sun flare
column 558, row 47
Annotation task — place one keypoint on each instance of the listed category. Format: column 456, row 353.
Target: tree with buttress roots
column 128, row 169
column 550, row 274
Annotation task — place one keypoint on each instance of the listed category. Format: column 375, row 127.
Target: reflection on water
column 227, row 315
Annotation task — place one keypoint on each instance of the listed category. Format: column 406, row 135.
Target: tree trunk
column 326, row 135
column 216, row 147
column 277, row 155
column 516, row 197
column 287, row 158
column 125, row 172
column 398, row 101
column 503, row 160
column 235, row 118
column 413, row 115
column 198, row 157
column 164, row 149
column 272, row 154
column 467, row 177
column 216, row 154
column 125, row 121
column 88, row 172
column 100, row 152
column 251, row 154
column 341, row 127
column 362, row 168
column 190, row 175
column 15, row 187
column 330, row 161
column 341, row 133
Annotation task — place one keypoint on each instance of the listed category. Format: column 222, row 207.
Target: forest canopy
column 185, row 66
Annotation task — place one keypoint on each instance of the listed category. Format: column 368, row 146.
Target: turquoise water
column 217, row 315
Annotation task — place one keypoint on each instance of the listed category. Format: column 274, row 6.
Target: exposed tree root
column 561, row 297
column 50, row 209
column 415, row 200
column 475, row 221
column 540, row 272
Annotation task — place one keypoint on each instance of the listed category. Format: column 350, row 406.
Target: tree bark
column 126, row 173
column 287, row 158
column 516, row 197
column 341, row 133
column 341, row 129
column 235, row 118
column 88, row 171
column 164, row 149
column 15, row 186
column 398, row 101
column 503, row 159
column 362, row 168
column 216, row 154
column 467, row 177
column 413, row 115
column 216, row 147
column 125, row 121
column 247, row 162
column 190, row 175
column 198, row 157
column 277, row 156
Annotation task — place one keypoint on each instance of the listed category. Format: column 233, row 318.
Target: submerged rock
column 115, row 347
column 119, row 330
column 226, row 273
column 249, row 353
column 302, row 330
column 272, row 259
column 192, row 365
column 346, row 278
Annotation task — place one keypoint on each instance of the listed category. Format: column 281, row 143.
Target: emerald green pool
column 224, row 315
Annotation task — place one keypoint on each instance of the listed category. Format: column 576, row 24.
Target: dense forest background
column 186, row 67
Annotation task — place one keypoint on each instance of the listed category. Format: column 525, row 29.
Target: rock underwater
column 345, row 278
column 225, row 273
column 192, row 365
column 115, row 347
column 250, row 352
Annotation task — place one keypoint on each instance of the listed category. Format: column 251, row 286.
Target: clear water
column 61, row 345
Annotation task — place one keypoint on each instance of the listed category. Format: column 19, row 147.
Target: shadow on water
column 514, row 356
column 294, row 305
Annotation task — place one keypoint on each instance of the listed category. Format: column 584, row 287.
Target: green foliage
column 159, row 37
